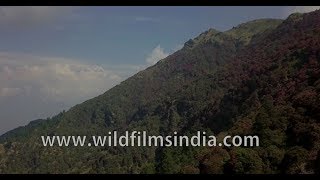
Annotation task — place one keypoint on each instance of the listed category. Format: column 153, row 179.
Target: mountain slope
column 261, row 77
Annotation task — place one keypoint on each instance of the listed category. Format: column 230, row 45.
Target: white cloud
column 156, row 55
column 57, row 79
column 145, row 19
column 301, row 9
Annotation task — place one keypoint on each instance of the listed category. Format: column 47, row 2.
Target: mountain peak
column 242, row 33
column 245, row 31
column 295, row 17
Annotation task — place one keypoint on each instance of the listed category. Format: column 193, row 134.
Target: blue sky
column 120, row 35
column 52, row 58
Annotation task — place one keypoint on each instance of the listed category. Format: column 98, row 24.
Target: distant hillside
column 259, row 78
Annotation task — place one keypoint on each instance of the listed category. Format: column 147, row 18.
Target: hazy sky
column 52, row 58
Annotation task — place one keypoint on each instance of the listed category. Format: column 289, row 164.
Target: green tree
column 295, row 160
column 245, row 161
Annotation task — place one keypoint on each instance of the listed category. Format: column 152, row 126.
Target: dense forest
column 259, row 78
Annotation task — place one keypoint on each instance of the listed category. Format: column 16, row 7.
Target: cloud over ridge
column 37, row 87
column 157, row 54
